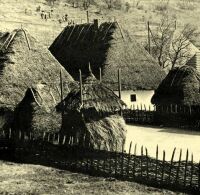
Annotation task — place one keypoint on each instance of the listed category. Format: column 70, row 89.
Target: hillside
column 15, row 14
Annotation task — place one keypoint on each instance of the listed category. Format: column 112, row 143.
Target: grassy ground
column 17, row 179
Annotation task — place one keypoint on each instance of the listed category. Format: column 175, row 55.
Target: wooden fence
column 182, row 175
column 172, row 116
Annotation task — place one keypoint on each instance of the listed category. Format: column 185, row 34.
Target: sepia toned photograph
column 99, row 97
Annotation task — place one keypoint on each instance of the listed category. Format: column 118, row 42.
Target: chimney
column 195, row 61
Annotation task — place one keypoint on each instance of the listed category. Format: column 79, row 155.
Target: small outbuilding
column 36, row 113
column 180, row 88
column 92, row 115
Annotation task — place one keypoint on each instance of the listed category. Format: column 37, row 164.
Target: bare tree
column 180, row 45
column 162, row 39
column 172, row 47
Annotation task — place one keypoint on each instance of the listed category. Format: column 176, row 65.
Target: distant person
column 45, row 17
column 66, row 17
column 42, row 14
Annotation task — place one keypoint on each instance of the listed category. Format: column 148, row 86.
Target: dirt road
column 166, row 138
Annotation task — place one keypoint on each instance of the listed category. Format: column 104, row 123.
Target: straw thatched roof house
column 108, row 47
column 24, row 64
column 36, row 112
column 180, row 87
column 96, row 118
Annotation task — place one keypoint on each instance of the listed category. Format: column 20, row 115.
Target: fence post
column 156, row 172
column 171, row 164
column 64, row 139
column 20, row 135
column 163, row 167
column 48, row 137
column 134, row 160
column 141, row 160
column 199, row 175
column 129, row 157
column 147, row 159
column 116, row 160
column 178, row 168
column 122, row 160
column 186, row 164
column 192, row 168
column 43, row 137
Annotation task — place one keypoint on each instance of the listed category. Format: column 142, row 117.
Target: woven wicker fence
column 182, row 175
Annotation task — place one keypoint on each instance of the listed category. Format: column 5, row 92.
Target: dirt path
column 166, row 138
column 17, row 179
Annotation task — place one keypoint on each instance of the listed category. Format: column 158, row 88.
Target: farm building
column 179, row 88
column 94, row 117
column 177, row 98
column 24, row 64
column 36, row 112
column 109, row 47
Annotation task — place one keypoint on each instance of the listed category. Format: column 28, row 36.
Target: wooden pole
column 149, row 38
column 178, row 168
column 81, row 86
column 119, row 83
column 87, row 13
column 171, row 164
column 186, row 164
column 100, row 75
column 163, row 167
column 129, row 157
column 61, row 86
column 156, row 172
column 192, row 169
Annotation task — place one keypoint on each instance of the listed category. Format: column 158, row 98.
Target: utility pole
column 149, row 38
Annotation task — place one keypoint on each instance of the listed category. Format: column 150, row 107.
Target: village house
column 177, row 99
column 24, row 64
column 108, row 47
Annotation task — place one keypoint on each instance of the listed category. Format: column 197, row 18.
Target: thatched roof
column 36, row 112
column 95, row 96
column 181, row 86
column 109, row 47
column 98, row 116
column 25, row 63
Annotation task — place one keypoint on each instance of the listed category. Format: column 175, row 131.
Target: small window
column 133, row 97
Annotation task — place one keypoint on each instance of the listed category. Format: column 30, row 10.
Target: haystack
column 108, row 47
column 97, row 118
column 181, row 87
column 24, row 63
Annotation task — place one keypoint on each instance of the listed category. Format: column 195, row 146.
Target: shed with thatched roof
column 108, row 47
column 180, row 87
column 24, row 63
column 95, row 115
column 36, row 113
